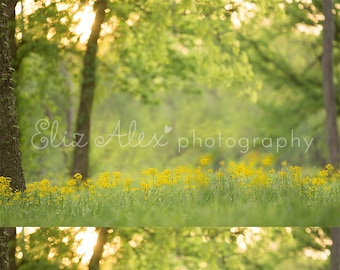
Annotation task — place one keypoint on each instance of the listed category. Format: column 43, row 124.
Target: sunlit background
column 82, row 19
column 265, row 241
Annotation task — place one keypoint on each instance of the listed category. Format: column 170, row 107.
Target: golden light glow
column 83, row 23
column 88, row 239
column 245, row 12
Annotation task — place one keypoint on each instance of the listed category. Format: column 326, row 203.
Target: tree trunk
column 4, row 260
column 10, row 11
column 335, row 251
column 82, row 139
column 10, row 156
column 331, row 112
column 328, row 84
column 12, row 244
column 7, row 248
column 98, row 248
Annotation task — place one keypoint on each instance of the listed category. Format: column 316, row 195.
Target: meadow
column 235, row 194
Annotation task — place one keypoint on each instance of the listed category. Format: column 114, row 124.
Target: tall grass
column 233, row 195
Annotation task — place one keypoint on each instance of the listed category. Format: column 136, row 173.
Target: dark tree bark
column 4, row 259
column 98, row 248
column 331, row 112
column 10, row 11
column 12, row 244
column 81, row 151
column 7, row 248
column 335, row 251
column 328, row 84
column 10, row 156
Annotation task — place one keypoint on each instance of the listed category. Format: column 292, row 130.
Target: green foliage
column 208, row 72
column 184, row 49
column 46, row 248
column 211, row 66
column 160, row 52
column 181, row 247
column 43, row 96
column 285, row 51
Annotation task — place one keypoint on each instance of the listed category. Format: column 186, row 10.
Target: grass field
column 234, row 195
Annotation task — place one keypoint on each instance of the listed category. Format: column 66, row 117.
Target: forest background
column 232, row 81
column 225, row 80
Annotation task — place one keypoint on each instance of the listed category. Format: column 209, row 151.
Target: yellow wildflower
column 151, row 171
column 67, row 189
column 329, row 167
column 267, row 161
column 104, row 180
column 260, row 179
column 145, row 186
column 5, row 187
column 127, row 183
column 78, row 176
column 187, row 181
column 323, row 173
column 220, row 174
column 117, row 174
column 205, row 161
column 296, row 172
column 282, row 173
column 317, row 181
column 71, row 183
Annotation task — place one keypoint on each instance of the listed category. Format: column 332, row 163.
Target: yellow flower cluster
column 6, row 191
column 190, row 178
column 107, row 180
column 5, row 188
column 205, row 161
column 249, row 175
column 43, row 191
column 241, row 174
